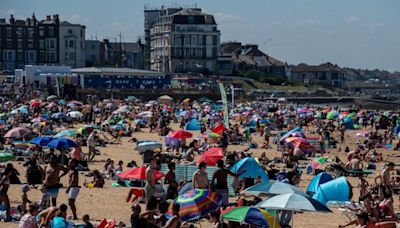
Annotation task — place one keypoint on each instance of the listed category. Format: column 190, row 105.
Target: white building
column 72, row 44
column 183, row 41
column 42, row 75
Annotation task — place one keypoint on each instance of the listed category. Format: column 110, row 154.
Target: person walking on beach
column 91, row 143
column 73, row 186
column 221, row 178
column 52, row 178
column 150, row 186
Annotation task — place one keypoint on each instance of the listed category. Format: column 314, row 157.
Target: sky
column 356, row 33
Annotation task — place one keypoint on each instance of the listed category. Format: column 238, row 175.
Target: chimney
column 56, row 19
column 12, row 20
column 48, row 18
column 34, row 18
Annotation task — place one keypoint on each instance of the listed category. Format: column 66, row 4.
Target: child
column 86, row 220
column 45, row 201
column 25, row 200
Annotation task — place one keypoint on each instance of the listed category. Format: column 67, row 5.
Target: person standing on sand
column 200, row 178
column 52, row 178
column 386, row 176
column 4, row 185
column 73, row 186
column 221, row 178
column 91, row 143
column 150, row 186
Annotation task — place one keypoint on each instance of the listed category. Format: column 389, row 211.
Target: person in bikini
column 200, row 178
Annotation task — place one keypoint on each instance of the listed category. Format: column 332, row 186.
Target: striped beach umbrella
column 196, row 204
column 301, row 143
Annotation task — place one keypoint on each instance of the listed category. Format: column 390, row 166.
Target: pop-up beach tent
column 319, row 179
column 249, row 168
column 334, row 190
column 193, row 125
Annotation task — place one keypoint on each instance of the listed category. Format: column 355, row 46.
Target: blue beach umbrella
column 62, row 143
column 41, row 141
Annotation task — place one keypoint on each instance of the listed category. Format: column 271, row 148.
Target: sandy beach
column 110, row 203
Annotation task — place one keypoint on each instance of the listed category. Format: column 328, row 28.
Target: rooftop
column 320, row 68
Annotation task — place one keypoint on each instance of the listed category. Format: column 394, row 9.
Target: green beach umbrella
column 4, row 157
column 4, row 116
column 251, row 215
column 66, row 133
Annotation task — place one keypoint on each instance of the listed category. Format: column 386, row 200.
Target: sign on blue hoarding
column 127, row 82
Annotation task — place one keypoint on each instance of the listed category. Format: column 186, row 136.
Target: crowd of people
column 109, row 122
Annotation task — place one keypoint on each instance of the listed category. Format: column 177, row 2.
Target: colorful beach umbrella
column 253, row 216
column 139, row 173
column 181, row 134
column 58, row 116
column 196, row 204
column 62, row 143
column 332, row 115
column 211, row 156
column 17, row 133
column 301, row 143
column 41, row 140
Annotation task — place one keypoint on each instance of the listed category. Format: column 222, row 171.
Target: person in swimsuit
column 386, row 211
column 200, row 178
column 4, row 185
column 52, row 178
column 47, row 215
column 73, row 186
column 150, row 186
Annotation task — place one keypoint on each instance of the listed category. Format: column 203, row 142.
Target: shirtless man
column 221, row 177
column 386, row 176
column 200, row 178
column 52, row 178
column 354, row 163
column 150, row 187
column 73, row 186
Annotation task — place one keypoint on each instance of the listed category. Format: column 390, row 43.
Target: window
column 30, row 44
column 72, row 56
column 41, row 31
column 30, row 33
column 66, row 56
column 41, row 44
column 9, row 43
column 52, row 57
column 200, row 40
column 187, row 40
column 9, row 32
column 52, row 44
column 19, row 44
column 66, row 43
column 93, row 57
column 42, row 56
column 71, row 43
column 93, row 47
column 20, row 56
column 194, row 39
column 10, row 55
column 19, row 32
column 31, row 56
column 81, row 33
column 190, row 19
column 81, row 44
column 70, row 32
column 50, row 31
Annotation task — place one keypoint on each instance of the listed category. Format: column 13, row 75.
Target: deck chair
column 339, row 170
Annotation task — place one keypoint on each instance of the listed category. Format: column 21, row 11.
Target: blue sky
column 356, row 33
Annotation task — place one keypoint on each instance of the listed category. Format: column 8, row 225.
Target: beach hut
column 319, row 179
column 334, row 190
column 193, row 125
column 249, row 168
